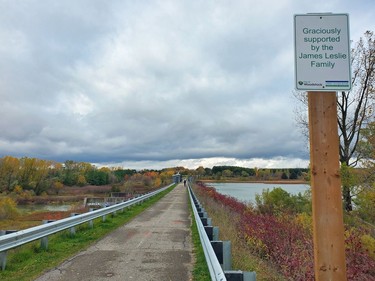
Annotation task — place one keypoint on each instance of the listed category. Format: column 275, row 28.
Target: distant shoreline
column 252, row 181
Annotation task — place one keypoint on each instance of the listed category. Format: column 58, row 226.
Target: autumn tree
column 200, row 172
column 9, row 167
column 33, row 174
column 166, row 175
column 355, row 108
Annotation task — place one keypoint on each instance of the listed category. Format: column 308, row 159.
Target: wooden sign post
column 329, row 247
column 322, row 66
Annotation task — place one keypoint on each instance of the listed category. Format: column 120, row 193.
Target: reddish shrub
column 360, row 266
column 286, row 243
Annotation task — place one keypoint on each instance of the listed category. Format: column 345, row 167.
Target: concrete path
column 156, row 245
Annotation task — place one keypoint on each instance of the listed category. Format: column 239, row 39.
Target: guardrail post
column 44, row 240
column 206, row 221
column 215, row 234
column 91, row 222
column 249, row 276
column 73, row 228
column 212, row 232
column 202, row 214
column 223, row 251
column 237, row 275
column 3, row 255
column 103, row 218
column 3, row 260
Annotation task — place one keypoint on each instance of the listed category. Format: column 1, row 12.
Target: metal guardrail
column 214, row 267
column 21, row 237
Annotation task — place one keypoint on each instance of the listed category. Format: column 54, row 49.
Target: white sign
column 322, row 52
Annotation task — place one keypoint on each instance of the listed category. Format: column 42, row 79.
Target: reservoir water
column 247, row 191
column 44, row 207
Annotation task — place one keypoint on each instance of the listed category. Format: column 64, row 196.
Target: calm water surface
column 47, row 207
column 247, row 191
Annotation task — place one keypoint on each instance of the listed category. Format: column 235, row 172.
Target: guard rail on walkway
column 18, row 238
column 218, row 271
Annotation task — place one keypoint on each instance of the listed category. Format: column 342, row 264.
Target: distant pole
column 328, row 226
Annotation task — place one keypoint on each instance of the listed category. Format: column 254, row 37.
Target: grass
column 200, row 270
column 29, row 261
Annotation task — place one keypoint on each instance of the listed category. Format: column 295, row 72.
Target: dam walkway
column 156, row 245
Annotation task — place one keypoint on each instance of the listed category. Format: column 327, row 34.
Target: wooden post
column 328, row 226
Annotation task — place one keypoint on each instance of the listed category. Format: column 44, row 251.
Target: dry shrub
column 8, row 208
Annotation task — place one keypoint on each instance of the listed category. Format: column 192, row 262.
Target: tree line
column 40, row 176
column 230, row 172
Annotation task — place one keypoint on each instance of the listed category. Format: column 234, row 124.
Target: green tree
column 70, row 174
column 365, row 200
column 278, row 201
column 97, row 177
column 244, row 174
column 227, row 173
column 200, row 172
column 367, row 150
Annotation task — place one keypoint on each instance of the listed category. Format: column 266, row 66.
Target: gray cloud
column 125, row 81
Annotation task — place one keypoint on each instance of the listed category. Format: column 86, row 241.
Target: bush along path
column 284, row 240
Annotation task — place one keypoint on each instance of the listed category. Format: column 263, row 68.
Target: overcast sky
column 154, row 84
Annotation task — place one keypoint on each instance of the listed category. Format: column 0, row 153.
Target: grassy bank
column 242, row 259
column 29, row 261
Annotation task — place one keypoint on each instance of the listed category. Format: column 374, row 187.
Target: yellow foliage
column 27, row 194
column 8, row 208
column 57, row 186
column 368, row 244
column 305, row 220
column 256, row 245
column 81, row 180
column 157, row 182
column 18, row 189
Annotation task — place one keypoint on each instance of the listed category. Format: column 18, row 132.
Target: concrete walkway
column 156, row 245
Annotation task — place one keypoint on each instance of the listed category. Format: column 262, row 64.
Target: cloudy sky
column 154, row 84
